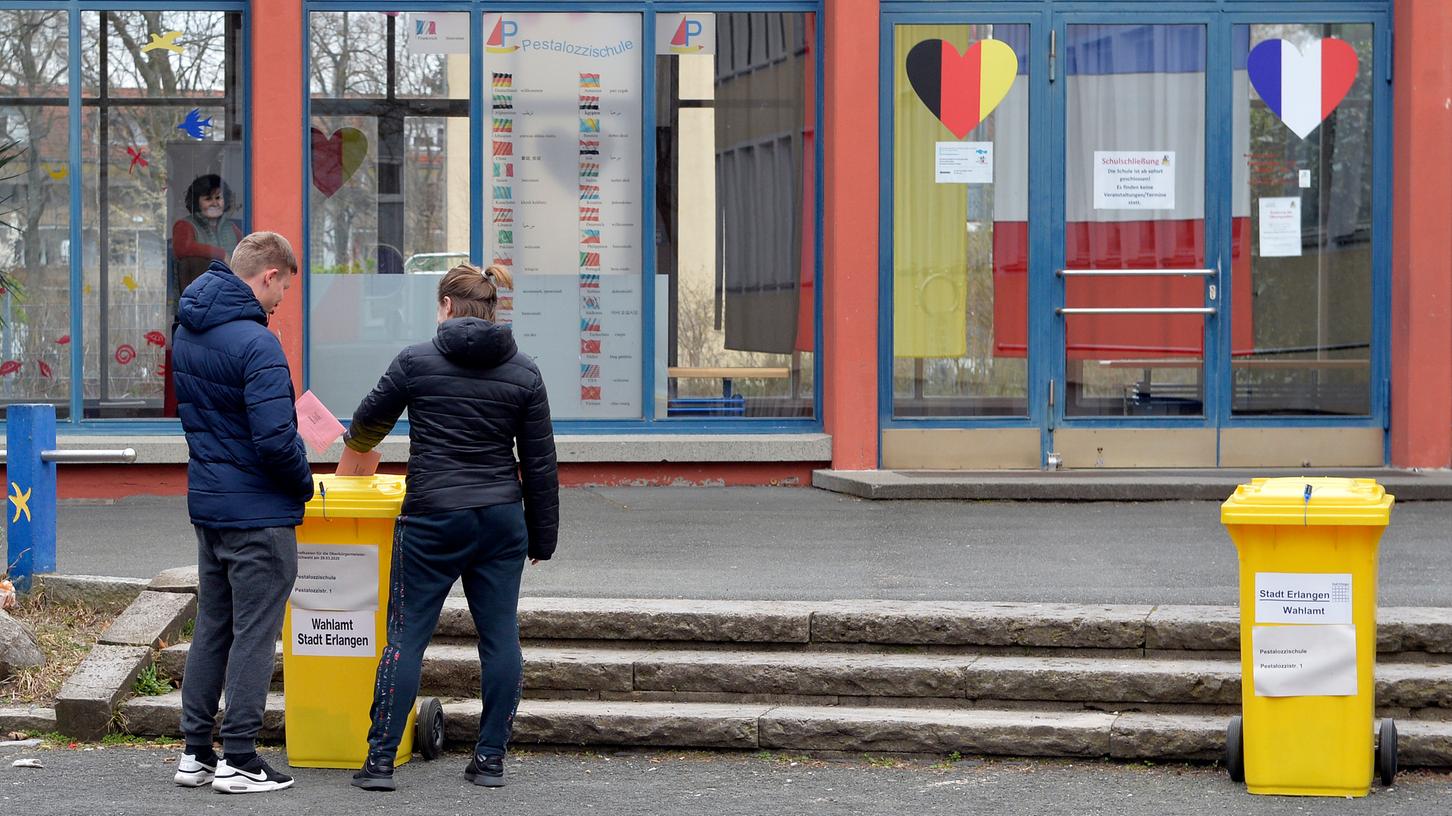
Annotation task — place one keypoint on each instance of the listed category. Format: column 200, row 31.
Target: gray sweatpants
column 245, row 578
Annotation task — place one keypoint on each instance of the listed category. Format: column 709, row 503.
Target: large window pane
column 35, row 209
column 735, row 202
column 165, row 190
column 1308, row 204
column 389, row 189
column 960, row 238
column 564, row 200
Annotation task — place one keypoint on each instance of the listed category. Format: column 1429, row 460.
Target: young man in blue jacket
column 247, row 481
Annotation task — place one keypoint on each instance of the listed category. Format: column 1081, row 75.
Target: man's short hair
column 261, row 251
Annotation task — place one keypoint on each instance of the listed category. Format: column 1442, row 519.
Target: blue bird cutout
column 194, row 125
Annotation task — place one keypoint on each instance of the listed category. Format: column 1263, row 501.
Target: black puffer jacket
column 471, row 396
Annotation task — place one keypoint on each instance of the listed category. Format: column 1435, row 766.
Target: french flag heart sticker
column 961, row 89
column 1302, row 86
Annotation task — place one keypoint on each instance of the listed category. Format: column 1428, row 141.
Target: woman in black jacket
column 472, row 398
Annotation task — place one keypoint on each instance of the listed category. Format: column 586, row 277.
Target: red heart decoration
column 337, row 157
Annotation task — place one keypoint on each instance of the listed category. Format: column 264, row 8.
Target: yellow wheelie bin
column 1308, row 556
column 336, row 626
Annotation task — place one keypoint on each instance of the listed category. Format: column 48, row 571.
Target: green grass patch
column 65, row 634
column 150, row 684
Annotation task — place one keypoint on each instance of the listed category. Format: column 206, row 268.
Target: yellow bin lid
column 1333, row 501
column 376, row 496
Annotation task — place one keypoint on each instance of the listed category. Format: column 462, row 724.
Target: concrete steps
column 837, row 678
column 827, row 729
column 1135, row 682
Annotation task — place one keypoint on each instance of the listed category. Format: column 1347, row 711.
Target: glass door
column 1137, row 275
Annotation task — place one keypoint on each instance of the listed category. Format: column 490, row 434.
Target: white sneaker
column 193, row 774
column 254, row 777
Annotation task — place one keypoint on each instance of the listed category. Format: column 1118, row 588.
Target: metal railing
column 121, row 456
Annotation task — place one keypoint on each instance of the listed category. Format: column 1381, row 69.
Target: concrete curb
column 27, row 718
column 178, row 579
column 154, row 620
column 1103, row 485
column 87, row 701
column 99, row 592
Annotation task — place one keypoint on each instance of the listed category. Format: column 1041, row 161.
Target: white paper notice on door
column 1304, row 661
column 336, row 577
column 333, row 634
column 1280, row 227
column 1303, row 597
column 964, row 163
column 1134, row 179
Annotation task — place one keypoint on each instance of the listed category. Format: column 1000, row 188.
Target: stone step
column 1130, row 736
column 919, row 624
column 1011, row 628
column 452, row 669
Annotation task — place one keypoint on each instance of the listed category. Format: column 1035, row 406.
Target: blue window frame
column 1222, row 23
column 78, row 101
column 479, row 250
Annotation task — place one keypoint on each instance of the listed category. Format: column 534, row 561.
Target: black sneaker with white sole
column 376, row 774
column 254, row 776
column 486, row 771
column 193, row 771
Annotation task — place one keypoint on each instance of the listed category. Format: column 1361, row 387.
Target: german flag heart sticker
column 961, row 89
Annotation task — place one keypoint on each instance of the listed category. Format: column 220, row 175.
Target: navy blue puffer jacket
column 472, row 399
column 234, row 394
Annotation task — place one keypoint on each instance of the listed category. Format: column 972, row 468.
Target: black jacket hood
column 474, row 342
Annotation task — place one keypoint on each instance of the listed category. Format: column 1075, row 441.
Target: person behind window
column 472, row 398
column 206, row 234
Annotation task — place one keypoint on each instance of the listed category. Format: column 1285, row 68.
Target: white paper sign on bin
column 1304, row 661
column 337, row 577
column 333, row 634
column 1303, row 597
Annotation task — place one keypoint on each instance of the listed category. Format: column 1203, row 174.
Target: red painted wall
column 1421, row 320
column 849, row 311
column 278, row 128
column 120, row 481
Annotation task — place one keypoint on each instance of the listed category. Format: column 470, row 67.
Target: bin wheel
column 430, row 728
column 1235, row 750
column 1386, row 751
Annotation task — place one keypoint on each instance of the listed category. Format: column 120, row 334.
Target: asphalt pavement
column 806, row 544
column 124, row 780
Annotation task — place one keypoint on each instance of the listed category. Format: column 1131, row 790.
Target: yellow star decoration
column 21, row 500
column 167, row 41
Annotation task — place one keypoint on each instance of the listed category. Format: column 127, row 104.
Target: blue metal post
column 31, row 492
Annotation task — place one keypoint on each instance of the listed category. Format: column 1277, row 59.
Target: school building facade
column 755, row 239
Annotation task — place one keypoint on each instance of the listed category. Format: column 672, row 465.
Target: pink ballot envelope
column 354, row 463
column 315, row 423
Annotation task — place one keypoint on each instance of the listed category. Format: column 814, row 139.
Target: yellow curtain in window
column 930, row 237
